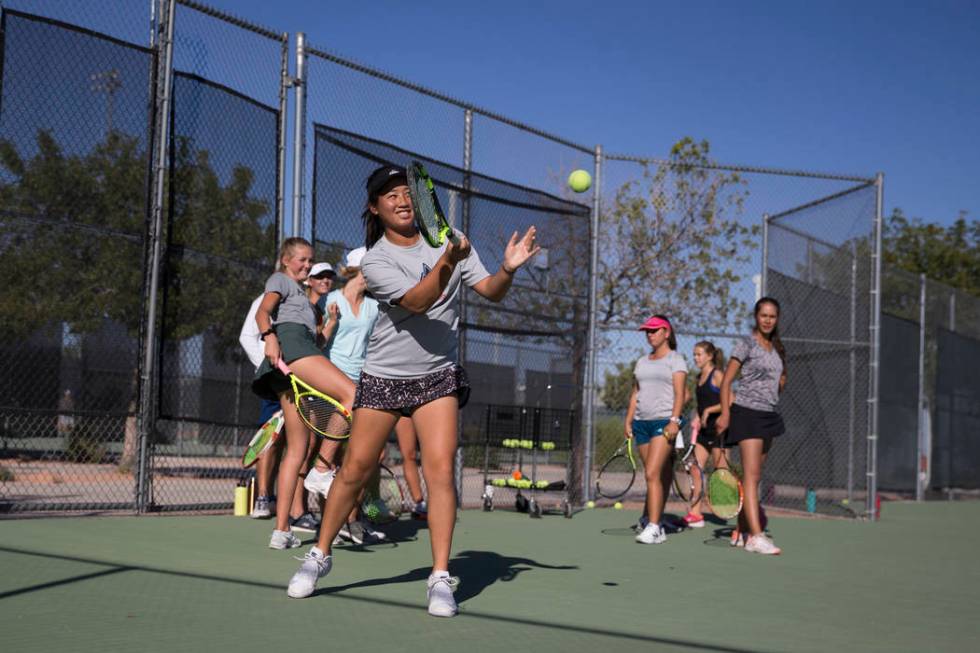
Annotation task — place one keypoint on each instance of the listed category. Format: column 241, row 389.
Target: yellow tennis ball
column 590, row 504
column 579, row 181
column 618, row 506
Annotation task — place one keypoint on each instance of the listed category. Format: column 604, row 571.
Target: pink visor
column 655, row 323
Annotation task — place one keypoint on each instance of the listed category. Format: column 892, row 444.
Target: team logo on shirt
column 425, row 271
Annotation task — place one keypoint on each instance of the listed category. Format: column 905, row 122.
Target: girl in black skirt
column 711, row 362
column 752, row 421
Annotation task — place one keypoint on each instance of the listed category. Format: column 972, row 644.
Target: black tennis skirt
column 405, row 395
column 748, row 423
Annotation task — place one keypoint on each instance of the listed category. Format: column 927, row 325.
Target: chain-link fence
column 138, row 395
column 930, row 408
column 80, row 117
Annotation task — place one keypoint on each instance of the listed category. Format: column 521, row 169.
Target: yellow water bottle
column 241, row 499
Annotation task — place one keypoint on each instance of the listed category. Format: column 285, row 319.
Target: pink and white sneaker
column 762, row 544
column 692, row 520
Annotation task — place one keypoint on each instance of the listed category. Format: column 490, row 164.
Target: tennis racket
column 325, row 415
column 429, row 216
column 688, row 476
column 390, row 502
column 724, row 489
column 264, row 438
column 618, row 473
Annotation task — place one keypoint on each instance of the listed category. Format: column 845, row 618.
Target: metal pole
column 590, row 365
column 852, row 389
column 952, row 311
column 763, row 286
column 147, row 385
column 465, row 227
column 284, row 83
column 922, row 457
column 874, row 368
column 299, row 135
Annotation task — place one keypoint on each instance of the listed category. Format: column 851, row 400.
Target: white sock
column 440, row 573
column 318, row 552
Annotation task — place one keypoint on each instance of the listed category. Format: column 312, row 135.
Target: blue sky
column 852, row 87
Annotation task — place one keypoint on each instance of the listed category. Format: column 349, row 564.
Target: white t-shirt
column 250, row 337
column 655, row 378
column 404, row 345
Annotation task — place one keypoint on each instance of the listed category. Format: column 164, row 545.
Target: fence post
column 763, row 289
column 462, row 333
column 284, row 84
column 952, row 311
column 852, row 359
column 590, row 365
column 147, row 412
column 922, row 456
column 874, row 368
column 299, row 135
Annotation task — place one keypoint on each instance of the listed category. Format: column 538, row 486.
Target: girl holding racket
column 411, row 369
column 710, row 362
column 287, row 323
column 653, row 418
column 751, row 420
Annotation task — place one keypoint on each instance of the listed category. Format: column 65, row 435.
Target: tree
column 73, row 246
column 617, row 386
column 949, row 255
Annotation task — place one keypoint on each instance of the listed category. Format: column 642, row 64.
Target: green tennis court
column 908, row 583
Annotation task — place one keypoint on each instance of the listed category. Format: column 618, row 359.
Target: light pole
column 108, row 82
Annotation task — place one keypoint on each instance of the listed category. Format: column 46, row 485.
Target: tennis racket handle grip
column 454, row 238
column 281, row 364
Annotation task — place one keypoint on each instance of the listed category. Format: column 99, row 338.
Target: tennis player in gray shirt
column 411, row 369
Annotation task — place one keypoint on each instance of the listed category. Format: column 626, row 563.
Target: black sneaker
column 305, row 522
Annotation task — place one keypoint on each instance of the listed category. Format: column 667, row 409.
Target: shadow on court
column 478, row 569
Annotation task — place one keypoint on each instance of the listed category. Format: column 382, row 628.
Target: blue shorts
column 268, row 409
column 645, row 430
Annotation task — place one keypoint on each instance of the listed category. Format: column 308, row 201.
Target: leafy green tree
column 73, row 244
column 950, row 254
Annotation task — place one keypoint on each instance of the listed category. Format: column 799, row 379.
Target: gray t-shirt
column 655, row 378
column 404, row 345
column 294, row 306
column 758, row 385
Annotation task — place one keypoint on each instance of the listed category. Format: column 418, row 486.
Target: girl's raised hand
column 518, row 252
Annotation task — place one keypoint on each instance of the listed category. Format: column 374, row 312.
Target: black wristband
column 268, row 331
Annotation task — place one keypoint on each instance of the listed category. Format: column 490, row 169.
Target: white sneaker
column 762, row 544
column 319, row 482
column 651, row 534
column 262, row 508
column 284, row 540
column 315, row 566
column 440, row 594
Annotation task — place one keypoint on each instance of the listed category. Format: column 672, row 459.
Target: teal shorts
column 645, row 430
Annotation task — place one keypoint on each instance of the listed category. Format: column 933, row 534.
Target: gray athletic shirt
column 758, row 385
column 294, row 306
column 655, row 378
column 404, row 345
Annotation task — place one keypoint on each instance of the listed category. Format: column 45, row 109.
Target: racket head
column 683, row 480
column 429, row 217
column 724, row 493
column 389, row 504
column 617, row 474
column 323, row 414
column 264, row 438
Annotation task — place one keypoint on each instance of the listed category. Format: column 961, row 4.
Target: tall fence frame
column 465, row 144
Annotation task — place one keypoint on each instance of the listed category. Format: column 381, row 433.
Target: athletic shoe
column 420, row 511
column 262, row 508
column 319, row 482
column 315, row 566
column 641, row 524
column 693, row 521
column 651, row 534
column 284, row 540
column 370, row 535
column 305, row 522
column 439, row 590
column 344, row 535
column 762, row 544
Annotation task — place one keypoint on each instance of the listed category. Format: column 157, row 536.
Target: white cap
column 354, row 257
column 320, row 268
